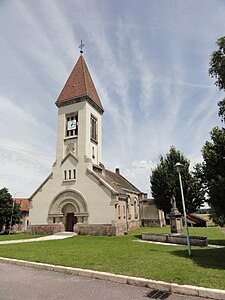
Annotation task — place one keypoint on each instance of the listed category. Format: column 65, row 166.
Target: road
column 17, row 282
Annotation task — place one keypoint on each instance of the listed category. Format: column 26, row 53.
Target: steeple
column 80, row 87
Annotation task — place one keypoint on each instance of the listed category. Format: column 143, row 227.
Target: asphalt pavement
column 19, row 282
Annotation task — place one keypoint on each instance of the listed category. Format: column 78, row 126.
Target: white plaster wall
column 97, row 196
column 61, row 141
column 83, row 143
column 39, row 205
column 89, row 110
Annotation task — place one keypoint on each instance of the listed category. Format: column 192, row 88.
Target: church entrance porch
column 68, row 208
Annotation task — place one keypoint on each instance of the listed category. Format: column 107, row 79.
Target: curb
column 137, row 281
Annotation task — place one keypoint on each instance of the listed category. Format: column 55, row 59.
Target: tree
column 165, row 184
column 213, row 173
column 8, row 210
column 217, row 71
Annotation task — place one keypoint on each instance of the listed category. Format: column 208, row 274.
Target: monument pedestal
column 176, row 225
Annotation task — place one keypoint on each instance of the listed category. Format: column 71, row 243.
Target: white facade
column 80, row 194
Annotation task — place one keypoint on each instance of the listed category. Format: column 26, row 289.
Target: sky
column 149, row 61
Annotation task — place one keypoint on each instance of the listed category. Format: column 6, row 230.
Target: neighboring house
column 24, row 208
column 80, row 194
column 150, row 215
column 197, row 220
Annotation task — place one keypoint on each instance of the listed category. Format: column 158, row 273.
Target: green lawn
column 214, row 234
column 122, row 255
column 18, row 236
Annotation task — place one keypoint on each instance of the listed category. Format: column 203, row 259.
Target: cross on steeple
column 81, row 47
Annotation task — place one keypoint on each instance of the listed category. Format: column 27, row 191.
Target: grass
column 214, row 234
column 18, row 236
column 122, row 255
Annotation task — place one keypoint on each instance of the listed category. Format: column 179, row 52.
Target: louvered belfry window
column 94, row 135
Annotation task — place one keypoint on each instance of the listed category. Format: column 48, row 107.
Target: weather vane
column 81, row 47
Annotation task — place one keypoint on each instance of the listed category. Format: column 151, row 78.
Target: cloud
column 24, row 160
column 139, row 173
column 150, row 73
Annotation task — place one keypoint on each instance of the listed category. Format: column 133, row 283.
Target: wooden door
column 70, row 221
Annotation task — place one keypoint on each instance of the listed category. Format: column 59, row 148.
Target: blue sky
column 149, row 60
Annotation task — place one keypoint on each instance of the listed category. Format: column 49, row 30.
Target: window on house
column 118, row 211
column 94, row 136
column 71, row 125
column 65, row 175
column 69, row 174
column 128, row 205
column 74, row 173
column 135, row 206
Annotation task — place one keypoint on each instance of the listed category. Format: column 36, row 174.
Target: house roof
column 195, row 219
column 24, row 203
column 120, row 181
column 114, row 181
column 79, row 84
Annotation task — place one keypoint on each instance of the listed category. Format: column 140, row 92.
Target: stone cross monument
column 175, row 218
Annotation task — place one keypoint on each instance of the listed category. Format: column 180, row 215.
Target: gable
column 69, row 160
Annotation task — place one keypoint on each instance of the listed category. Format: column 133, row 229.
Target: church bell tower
column 80, row 112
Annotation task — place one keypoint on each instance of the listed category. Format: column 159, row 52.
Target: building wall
column 97, row 197
column 79, row 153
column 82, row 143
column 150, row 215
column 22, row 226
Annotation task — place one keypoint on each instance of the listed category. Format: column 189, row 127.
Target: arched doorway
column 68, row 208
column 70, row 219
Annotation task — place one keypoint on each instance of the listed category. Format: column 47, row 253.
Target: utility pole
column 178, row 167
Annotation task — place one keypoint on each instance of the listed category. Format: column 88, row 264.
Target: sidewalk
column 57, row 236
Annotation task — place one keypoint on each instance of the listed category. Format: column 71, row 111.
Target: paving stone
column 211, row 293
column 159, row 285
column 184, row 289
column 101, row 275
column 137, row 281
column 85, row 273
column 118, row 278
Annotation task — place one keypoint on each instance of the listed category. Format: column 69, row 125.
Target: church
column 80, row 194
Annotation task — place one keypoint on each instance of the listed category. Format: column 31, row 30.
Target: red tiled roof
column 79, row 84
column 24, row 203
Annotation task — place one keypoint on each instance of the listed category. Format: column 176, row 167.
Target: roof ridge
column 85, row 81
